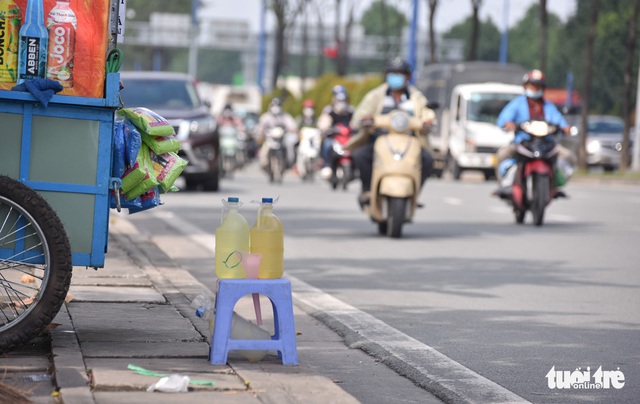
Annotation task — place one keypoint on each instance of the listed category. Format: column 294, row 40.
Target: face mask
column 308, row 112
column 339, row 107
column 533, row 94
column 395, row 81
column 275, row 110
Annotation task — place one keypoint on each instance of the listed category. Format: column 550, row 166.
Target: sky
column 449, row 12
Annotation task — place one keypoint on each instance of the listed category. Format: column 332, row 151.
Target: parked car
column 174, row 97
column 604, row 141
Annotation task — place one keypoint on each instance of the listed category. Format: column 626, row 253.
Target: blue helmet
column 338, row 89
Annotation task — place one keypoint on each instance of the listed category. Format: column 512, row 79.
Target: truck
column 470, row 96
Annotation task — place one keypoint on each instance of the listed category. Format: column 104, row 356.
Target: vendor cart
column 55, row 178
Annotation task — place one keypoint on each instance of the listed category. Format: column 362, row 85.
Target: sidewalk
column 136, row 311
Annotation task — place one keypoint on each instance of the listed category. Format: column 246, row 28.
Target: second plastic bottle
column 267, row 239
column 232, row 237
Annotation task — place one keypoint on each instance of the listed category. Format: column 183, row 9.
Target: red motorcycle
column 534, row 185
column 340, row 159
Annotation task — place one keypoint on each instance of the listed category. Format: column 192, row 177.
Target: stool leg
column 285, row 330
column 221, row 335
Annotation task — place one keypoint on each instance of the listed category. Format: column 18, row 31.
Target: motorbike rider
column 395, row 93
column 530, row 106
column 308, row 117
column 229, row 117
column 338, row 112
column 276, row 116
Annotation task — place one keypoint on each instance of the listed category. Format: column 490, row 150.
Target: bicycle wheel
column 35, row 263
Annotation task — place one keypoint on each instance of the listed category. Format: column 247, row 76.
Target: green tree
column 383, row 19
column 144, row 8
column 488, row 46
column 608, row 54
column 525, row 42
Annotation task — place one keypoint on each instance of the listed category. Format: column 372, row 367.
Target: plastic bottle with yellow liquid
column 232, row 239
column 267, row 239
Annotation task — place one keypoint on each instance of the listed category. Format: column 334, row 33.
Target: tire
column 454, row 168
column 396, row 216
column 540, row 198
column 489, row 175
column 334, row 178
column 346, row 176
column 382, row 228
column 277, row 168
column 228, row 166
column 27, row 307
column 519, row 215
column 212, row 183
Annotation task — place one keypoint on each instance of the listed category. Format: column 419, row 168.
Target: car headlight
column 470, row 143
column 198, row 126
column 202, row 125
column 593, row 146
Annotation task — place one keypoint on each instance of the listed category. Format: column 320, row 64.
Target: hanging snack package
column 167, row 168
column 161, row 144
column 148, row 121
column 132, row 142
column 118, row 167
column 124, row 202
column 148, row 200
column 133, row 175
column 149, row 180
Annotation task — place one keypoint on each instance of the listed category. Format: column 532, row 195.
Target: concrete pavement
column 136, row 311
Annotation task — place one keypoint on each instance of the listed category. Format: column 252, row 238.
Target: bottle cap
column 267, row 200
column 233, row 199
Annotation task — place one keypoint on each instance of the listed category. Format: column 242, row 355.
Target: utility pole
column 504, row 38
column 261, row 45
column 412, row 41
column 193, row 45
column 635, row 157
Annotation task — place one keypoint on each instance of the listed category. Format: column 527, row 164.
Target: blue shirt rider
column 530, row 106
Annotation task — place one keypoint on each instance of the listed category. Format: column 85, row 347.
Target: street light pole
column 504, row 38
column 412, row 40
column 193, row 46
column 261, row 46
column 635, row 158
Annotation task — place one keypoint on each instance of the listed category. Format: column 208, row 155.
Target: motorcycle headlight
column 593, row 146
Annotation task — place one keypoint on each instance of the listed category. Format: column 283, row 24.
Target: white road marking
column 409, row 357
column 453, row 201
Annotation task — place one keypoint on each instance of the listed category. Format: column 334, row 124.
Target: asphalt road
column 507, row 302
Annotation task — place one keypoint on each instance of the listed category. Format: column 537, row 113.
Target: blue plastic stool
column 284, row 339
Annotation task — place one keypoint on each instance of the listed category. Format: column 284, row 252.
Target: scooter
column 308, row 157
column 340, row 158
column 229, row 146
column 534, row 183
column 277, row 154
column 397, row 165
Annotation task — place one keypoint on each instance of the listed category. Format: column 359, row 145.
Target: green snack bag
column 161, row 144
column 148, row 121
column 149, row 181
column 167, row 167
column 133, row 175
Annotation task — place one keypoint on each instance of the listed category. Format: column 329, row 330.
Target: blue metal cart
column 55, row 167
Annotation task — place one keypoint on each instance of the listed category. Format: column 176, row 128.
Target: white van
column 469, row 127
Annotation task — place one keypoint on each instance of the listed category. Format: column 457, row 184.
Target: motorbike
column 340, row 159
column 308, row 158
column 533, row 173
column 397, row 165
column 229, row 148
column 276, row 154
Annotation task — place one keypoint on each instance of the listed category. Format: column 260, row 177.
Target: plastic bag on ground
column 174, row 383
